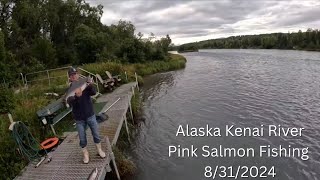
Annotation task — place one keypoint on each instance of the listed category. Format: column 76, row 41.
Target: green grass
column 65, row 125
column 174, row 62
column 126, row 167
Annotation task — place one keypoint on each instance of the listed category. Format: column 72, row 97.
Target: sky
column 190, row 21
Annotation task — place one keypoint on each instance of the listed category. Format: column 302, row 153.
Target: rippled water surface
column 245, row 88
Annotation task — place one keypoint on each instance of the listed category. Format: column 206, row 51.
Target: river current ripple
column 245, row 88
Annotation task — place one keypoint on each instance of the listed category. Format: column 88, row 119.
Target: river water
column 244, row 88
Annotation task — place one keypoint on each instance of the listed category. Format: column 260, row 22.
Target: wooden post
column 112, row 157
column 126, row 75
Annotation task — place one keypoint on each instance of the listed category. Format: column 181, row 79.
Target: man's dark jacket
column 82, row 107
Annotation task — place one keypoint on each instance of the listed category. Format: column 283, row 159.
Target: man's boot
column 100, row 152
column 85, row 155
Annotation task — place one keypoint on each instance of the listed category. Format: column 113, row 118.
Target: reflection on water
column 156, row 84
column 245, row 88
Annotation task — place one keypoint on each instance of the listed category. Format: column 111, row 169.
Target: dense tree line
column 309, row 40
column 39, row 34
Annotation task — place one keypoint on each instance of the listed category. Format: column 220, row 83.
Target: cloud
column 187, row 21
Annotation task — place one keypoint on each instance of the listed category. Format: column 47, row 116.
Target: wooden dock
column 67, row 161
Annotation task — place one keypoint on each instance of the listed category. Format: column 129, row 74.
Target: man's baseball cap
column 72, row 70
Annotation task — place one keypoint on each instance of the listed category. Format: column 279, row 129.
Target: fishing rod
column 111, row 105
column 102, row 116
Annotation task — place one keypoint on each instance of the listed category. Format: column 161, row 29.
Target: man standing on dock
column 82, row 109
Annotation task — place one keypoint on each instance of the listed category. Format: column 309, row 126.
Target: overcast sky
column 189, row 21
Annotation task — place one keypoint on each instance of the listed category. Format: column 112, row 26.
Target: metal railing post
column 135, row 74
column 127, row 128
column 130, row 108
column 97, row 84
column 22, row 79
column 25, row 80
column 48, row 77
column 44, row 72
column 67, row 79
column 132, row 88
column 112, row 157
column 92, row 75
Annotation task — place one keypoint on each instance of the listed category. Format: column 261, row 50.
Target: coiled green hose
column 27, row 144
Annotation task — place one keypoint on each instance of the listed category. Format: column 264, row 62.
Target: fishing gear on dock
column 49, row 143
column 102, row 116
column 28, row 146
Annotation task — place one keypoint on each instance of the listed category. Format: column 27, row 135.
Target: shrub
column 6, row 100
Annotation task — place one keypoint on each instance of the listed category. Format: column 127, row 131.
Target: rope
column 27, row 144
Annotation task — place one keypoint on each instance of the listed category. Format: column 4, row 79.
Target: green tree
column 43, row 50
column 308, row 40
column 50, row 33
column 86, row 44
column 3, row 66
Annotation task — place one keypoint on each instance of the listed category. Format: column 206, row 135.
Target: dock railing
column 47, row 76
column 91, row 74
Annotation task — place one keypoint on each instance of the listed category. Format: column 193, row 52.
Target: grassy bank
column 25, row 104
column 173, row 62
